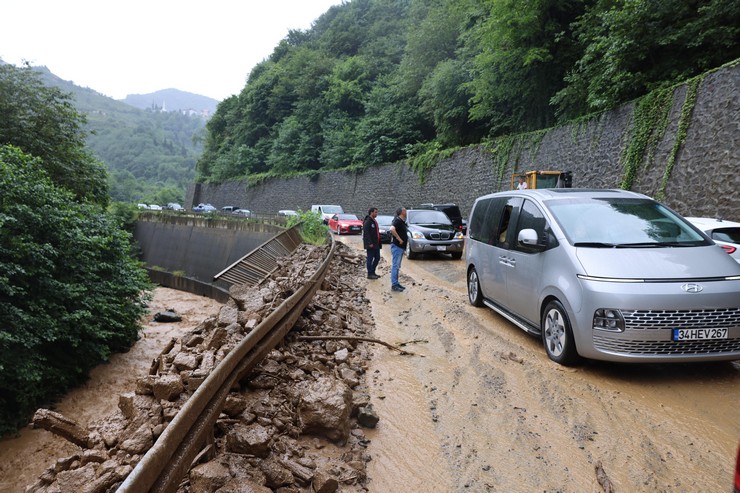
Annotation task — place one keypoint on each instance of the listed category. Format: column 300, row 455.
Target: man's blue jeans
column 396, row 256
column 373, row 257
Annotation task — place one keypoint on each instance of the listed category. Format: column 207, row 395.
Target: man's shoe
column 397, row 288
column 402, row 287
column 373, row 276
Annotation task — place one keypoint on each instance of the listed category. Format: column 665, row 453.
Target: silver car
column 604, row 274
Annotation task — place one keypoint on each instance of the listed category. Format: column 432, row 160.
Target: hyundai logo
column 692, row 288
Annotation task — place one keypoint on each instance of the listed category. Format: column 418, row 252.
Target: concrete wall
column 705, row 180
column 199, row 247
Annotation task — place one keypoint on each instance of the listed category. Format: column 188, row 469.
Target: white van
column 327, row 211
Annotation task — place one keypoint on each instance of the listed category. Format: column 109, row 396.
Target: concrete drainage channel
column 165, row 464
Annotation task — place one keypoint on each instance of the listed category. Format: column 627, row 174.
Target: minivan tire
column 474, row 295
column 557, row 334
column 456, row 255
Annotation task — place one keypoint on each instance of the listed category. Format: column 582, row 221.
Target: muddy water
column 485, row 410
column 24, row 458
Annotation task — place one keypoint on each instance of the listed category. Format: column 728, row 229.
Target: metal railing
column 258, row 264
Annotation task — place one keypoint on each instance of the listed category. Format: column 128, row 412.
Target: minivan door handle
column 503, row 259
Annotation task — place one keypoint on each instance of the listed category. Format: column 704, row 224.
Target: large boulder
column 325, row 408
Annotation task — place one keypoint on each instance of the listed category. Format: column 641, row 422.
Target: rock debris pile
column 293, row 425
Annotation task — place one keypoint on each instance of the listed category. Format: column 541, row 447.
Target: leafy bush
column 313, row 229
column 70, row 290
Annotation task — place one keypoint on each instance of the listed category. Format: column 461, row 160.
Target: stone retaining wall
column 705, row 180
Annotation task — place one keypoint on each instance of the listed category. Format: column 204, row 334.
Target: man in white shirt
column 522, row 184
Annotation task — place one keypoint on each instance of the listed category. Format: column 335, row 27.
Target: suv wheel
column 410, row 254
column 557, row 334
column 474, row 295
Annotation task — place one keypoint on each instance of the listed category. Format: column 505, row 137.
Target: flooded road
column 482, row 408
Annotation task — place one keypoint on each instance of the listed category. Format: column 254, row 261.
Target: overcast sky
column 141, row 46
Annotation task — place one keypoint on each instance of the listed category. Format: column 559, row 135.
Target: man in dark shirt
column 371, row 241
column 400, row 236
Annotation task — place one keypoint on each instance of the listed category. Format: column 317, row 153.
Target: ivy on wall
column 649, row 122
column 692, row 90
column 426, row 156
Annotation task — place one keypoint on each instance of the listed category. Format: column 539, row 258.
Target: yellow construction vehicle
column 542, row 179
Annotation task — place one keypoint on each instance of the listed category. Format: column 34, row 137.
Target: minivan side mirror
column 529, row 237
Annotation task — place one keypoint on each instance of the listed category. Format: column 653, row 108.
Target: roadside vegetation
column 71, row 291
column 377, row 81
column 313, row 230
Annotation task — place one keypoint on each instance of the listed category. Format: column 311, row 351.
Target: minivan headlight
column 608, row 319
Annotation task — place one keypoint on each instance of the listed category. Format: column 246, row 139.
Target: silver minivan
column 603, row 274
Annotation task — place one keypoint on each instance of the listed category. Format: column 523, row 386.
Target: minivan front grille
column 684, row 319
column 648, row 332
column 715, row 346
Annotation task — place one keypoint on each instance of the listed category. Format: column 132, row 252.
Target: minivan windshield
column 622, row 223
column 428, row 217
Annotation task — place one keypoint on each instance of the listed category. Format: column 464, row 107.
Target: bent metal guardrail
column 262, row 261
column 167, row 462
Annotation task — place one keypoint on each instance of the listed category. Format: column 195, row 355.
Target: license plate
column 441, row 248
column 698, row 334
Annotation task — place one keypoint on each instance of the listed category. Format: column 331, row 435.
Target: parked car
column 431, row 231
column 453, row 212
column 142, row 206
column 384, row 226
column 724, row 233
column 204, row 208
column 229, row 209
column 326, row 211
column 174, row 206
column 287, row 213
column 603, row 274
column 242, row 212
column 345, row 224
column 155, row 207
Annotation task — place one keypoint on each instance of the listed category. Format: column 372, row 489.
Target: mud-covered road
column 484, row 409
column 479, row 408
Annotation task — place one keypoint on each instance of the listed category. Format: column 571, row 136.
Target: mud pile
column 293, row 425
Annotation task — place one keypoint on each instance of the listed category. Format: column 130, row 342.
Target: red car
column 345, row 224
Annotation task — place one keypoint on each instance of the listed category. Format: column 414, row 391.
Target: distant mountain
column 171, row 100
column 150, row 154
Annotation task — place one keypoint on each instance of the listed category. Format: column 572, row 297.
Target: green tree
column 43, row 122
column 524, row 52
column 631, row 47
column 70, row 290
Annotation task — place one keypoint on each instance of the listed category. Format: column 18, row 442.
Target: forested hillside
column 377, row 81
column 150, row 155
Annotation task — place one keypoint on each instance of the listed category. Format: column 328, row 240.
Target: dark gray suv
column 432, row 231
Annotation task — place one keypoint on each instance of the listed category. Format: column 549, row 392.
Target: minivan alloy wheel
column 474, row 294
column 557, row 334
